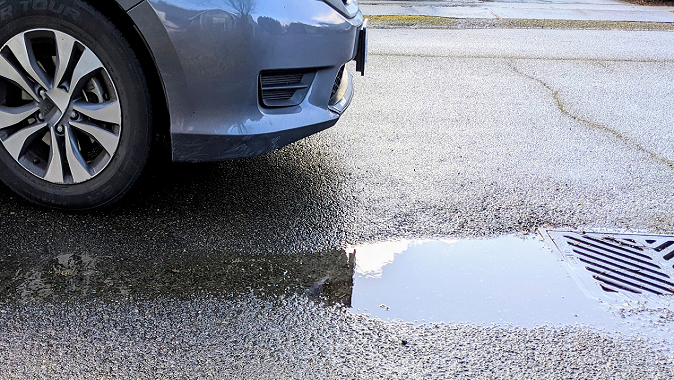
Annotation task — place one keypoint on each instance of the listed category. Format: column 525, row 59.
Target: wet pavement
column 510, row 280
column 239, row 269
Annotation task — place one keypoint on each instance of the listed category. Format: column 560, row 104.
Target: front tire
column 75, row 113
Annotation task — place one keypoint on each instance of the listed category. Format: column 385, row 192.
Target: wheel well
column 160, row 115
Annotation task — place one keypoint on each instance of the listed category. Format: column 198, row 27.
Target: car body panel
column 209, row 54
column 128, row 4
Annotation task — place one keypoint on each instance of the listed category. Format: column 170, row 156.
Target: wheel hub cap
column 46, row 106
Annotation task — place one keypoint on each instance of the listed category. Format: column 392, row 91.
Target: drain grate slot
column 630, row 264
column 632, row 274
column 629, row 280
column 665, row 246
column 606, row 278
column 612, row 285
column 607, row 258
column 639, row 257
column 620, row 245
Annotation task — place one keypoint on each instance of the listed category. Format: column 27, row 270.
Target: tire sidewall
column 82, row 22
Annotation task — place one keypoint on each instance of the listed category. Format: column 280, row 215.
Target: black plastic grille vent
column 275, row 95
column 338, row 82
column 284, row 88
column 281, row 79
column 624, row 263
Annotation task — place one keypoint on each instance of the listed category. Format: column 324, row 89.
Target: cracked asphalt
column 214, row 270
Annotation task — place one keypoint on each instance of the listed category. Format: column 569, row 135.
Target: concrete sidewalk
column 582, row 10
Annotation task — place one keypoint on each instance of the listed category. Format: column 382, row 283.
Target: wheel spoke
column 55, row 166
column 64, row 50
column 13, row 115
column 108, row 112
column 17, row 141
column 105, row 138
column 78, row 167
column 8, row 72
column 87, row 64
column 19, row 46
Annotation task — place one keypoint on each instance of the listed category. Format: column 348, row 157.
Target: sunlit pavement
column 246, row 268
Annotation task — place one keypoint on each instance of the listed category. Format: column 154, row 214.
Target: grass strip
column 435, row 22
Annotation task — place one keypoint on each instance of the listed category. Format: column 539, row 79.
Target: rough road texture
column 296, row 339
column 452, row 133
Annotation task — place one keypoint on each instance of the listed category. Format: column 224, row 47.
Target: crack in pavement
column 562, row 108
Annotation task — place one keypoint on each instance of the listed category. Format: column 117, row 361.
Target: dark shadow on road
column 232, row 227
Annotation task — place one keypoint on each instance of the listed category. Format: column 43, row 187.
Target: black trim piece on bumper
column 201, row 148
column 361, row 55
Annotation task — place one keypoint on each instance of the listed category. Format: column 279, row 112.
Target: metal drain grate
column 630, row 264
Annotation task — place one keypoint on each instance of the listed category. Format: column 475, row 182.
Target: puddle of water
column 52, row 277
column 506, row 280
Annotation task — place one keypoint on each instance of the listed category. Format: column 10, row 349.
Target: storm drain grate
column 631, row 264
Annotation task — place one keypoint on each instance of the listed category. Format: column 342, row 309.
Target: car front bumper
column 212, row 58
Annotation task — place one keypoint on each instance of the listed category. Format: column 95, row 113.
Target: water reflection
column 506, row 280
column 373, row 257
column 327, row 276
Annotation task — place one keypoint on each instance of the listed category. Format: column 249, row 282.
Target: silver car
column 86, row 85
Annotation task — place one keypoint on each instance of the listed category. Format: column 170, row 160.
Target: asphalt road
column 452, row 133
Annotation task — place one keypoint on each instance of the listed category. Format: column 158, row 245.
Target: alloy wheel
column 60, row 115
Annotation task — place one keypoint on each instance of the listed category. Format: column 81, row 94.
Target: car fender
column 166, row 59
